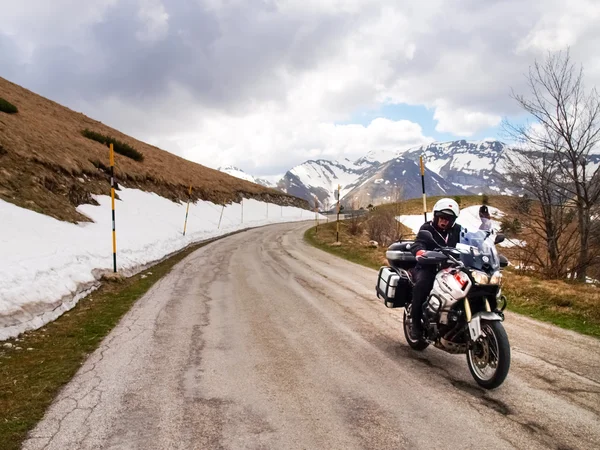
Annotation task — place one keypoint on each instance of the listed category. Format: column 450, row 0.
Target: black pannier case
column 393, row 287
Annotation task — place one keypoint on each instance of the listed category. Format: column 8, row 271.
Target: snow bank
column 47, row 265
column 468, row 218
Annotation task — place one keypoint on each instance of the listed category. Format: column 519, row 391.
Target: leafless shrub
column 355, row 226
column 382, row 225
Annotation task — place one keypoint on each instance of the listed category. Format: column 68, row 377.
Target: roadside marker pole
column 242, row 209
column 112, row 198
column 187, row 210
column 316, row 215
column 337, row 233
column 222, row 209
column 423, row 187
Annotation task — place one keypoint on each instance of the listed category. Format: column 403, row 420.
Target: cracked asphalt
column 261, row 341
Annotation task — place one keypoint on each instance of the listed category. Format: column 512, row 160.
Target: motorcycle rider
column 446, row 233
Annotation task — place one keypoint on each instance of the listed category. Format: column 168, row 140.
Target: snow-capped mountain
column 321, row 177
column 451, row 168
column 239, row 173
column 399, row 178
column 477, row 167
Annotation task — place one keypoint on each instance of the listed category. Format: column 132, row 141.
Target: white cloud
column 460, row 121
column 262, row 85
column 154, row 19
column 270, row 142
column 554, row 32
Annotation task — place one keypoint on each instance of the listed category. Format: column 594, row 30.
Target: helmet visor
column 447, row 216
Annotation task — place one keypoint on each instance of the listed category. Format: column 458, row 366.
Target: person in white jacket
column 486, row 219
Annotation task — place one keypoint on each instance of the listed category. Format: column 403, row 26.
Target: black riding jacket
column 444, row 239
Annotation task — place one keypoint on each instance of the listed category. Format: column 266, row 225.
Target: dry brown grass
column 48, row 166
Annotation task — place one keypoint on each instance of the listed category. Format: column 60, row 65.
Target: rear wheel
column 489, row 357
column 418, row 344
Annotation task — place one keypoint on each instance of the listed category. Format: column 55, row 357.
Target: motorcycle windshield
column 477, row 250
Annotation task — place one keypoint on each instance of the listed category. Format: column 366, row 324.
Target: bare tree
column 549, row 220
column 567, row 125
column 382, row 225
column 354, row 224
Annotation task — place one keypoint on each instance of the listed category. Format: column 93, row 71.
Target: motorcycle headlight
column 496, row 278
column 480, row 277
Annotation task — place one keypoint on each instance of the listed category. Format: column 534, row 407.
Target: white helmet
column 446, row 207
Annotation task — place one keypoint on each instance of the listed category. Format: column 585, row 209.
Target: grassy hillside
column 49, row 166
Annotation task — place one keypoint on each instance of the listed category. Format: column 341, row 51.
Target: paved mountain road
column 261, row 341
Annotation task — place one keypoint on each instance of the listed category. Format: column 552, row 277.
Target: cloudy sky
column 267, row 84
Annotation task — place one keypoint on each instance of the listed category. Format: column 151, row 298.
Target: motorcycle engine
column 432, row 308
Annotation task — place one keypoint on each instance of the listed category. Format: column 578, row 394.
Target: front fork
column 474, row 322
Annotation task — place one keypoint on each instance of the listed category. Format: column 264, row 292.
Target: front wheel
column 419, row 344
column 489, row 357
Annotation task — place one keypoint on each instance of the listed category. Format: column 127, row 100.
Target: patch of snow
column 238, row 173
column 327, row 176
column 48, row 265
column 380, row 156
column 468, row 218
column 378, row 181
column 513, row 243
column 464, row 186
column 435, row 165
column 470, row 163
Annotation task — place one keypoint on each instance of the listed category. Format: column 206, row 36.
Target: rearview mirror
column 426, row 236
column 499, row 238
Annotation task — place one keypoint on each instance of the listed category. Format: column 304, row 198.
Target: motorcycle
column 463, row 313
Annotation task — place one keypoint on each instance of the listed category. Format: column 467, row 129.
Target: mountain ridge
column 458, row 167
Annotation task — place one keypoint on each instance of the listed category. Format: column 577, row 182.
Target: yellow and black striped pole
column 423, row 187
column 112, row 198
column 187, row 210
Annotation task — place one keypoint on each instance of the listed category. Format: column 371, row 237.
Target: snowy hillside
column 475, row 166
column 47, row 265
column 397, row 179
column 460, row 167
column 322, row 177
column 454, row 168
column 239, row 173
column 468, row 218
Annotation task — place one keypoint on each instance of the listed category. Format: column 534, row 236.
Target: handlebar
column 447, row 251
